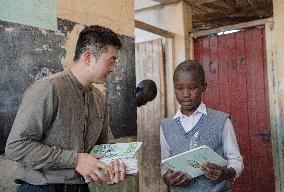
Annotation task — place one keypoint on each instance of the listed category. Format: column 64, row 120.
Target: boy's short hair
column 95, row 38
column 190, row 66
column 149, row 88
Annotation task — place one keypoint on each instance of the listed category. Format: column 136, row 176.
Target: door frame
column 268, row 25
column 168, row 40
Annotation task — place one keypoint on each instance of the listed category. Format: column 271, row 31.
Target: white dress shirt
column 229, row 141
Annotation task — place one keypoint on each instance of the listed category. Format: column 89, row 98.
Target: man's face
column 99, row 69
column 188, row 90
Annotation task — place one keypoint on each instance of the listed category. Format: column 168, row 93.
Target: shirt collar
column 76, row 82
column 201, row 109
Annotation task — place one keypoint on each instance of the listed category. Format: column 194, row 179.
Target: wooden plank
column 269, row 126
column 205, row 63
column 234, row 99
column 150, row 117
column 251, row 101
column 223, row 77
column 198, row 50
column 171, row 102
column 231, row 27
column 162, row 72
column 162, row 185
column 156, row 113
column 153, row 29
column 276, row 120
column 263, row 150
column 141, row 115
column 243, row 183
column 149, row 176
column 214, row 72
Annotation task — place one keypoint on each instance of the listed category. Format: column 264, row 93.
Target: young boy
column 195, row 125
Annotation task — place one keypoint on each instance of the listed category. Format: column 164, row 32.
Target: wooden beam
column 153, row 29
column 231, row 27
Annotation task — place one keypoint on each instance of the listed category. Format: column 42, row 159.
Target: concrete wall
column 114, row 14
column 175, row 18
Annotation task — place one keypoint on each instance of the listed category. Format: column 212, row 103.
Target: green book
column 190, row 161
column 123, row 152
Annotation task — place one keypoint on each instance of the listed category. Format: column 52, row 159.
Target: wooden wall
column 150, row 65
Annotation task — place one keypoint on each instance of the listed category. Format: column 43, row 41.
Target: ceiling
column 208, row 14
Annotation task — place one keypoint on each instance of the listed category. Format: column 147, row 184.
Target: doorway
column 235, row 68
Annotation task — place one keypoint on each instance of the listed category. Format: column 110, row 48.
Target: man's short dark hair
column 95, row 38
column 190, row 66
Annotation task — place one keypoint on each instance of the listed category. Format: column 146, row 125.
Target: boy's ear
column 204, row 87
column 138, row 89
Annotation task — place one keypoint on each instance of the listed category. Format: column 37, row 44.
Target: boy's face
column 188, row 90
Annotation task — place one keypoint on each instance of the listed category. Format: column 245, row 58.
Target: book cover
column 124, row 152
column 191, row 161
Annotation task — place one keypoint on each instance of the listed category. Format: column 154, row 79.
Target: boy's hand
column 215, row 172
column 176, row 178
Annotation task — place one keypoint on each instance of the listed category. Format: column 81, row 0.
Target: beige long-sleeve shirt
column 57, row 118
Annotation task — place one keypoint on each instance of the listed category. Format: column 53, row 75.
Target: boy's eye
column 178, row 88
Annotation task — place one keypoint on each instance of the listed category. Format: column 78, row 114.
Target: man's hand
column 215, row 172
column 176, row 178
column 90, row 167
column 117, row 173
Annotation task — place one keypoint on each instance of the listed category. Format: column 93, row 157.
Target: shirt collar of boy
column 201, row 109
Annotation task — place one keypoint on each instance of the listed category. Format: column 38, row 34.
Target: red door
column 235, row 67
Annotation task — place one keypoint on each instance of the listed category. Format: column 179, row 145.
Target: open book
column 190, row 161
column 124, row 152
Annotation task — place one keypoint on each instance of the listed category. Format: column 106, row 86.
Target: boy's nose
column 186, row 93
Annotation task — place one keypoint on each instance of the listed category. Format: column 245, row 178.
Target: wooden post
column 275, row 60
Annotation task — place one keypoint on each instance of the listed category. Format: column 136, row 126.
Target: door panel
column 235, row 70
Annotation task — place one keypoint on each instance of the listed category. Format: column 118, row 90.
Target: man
column 62, row 116
column 146, row 91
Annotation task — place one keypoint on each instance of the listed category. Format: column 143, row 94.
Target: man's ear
column 86, row 57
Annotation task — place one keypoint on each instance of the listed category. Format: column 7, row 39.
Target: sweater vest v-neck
column 208, row 131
